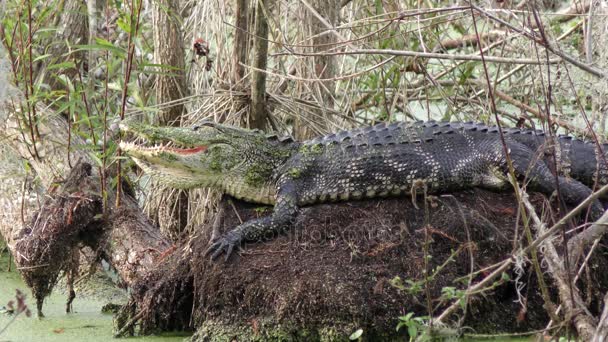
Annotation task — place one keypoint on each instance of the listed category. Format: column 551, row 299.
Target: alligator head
column 236, row 161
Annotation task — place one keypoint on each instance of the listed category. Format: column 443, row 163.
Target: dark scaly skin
column 397, row 159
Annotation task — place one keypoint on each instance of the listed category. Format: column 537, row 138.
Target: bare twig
column 129, row 324
column 492, row 59
column 531, row 35
column 337, row 78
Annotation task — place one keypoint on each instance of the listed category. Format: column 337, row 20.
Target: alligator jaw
column 131, row 147
column 174, row 165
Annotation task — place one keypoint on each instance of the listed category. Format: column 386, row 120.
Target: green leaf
column 66, row 81
column 64, row 65
column 406, row 317
column 379, row 7
column 120, row 52
column 412, row 330
column 356, row 335
column 39, row 58
column 397, row 282
column 102, row 41
column 96, row 159
column 121, row 22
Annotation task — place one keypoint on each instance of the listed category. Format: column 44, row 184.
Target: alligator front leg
column 265, row 228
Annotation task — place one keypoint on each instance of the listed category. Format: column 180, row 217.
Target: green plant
column 449, row 293
column 417, row 327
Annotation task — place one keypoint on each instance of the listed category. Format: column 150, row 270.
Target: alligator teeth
column 155, row 148
column 126, row 145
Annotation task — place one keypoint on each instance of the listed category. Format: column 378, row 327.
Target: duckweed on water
column 87, row 323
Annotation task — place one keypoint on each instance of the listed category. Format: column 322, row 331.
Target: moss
column 220, row 160
column 269, row 330
column 258, row 174
column 295, row 172
column 317, row 149
column 111, row 308
column 280, row 153
column 311, row 150
column 215, row 162
column 261, row 210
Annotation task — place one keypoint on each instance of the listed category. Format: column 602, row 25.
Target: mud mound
column 334, row 273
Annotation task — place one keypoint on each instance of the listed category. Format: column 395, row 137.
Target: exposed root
column 46, row 246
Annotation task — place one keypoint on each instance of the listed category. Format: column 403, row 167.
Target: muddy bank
column 335, row 273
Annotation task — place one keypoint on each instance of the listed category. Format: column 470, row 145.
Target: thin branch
column 403, row 53
column 337, row 78
column 532, row 35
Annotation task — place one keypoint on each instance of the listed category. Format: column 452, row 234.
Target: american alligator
column 383, row 160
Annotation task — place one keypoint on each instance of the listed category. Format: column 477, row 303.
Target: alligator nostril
column 195, row 128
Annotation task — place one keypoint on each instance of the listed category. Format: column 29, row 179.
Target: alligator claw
column 226, row 243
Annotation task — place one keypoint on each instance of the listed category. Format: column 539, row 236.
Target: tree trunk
column 73, row 29
column 241, row 40
column 324, row 40
column 324, row 15
column 168, row 51
column 259, row 111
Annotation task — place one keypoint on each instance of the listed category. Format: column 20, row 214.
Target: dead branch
column 579, row 242
column 240, row 51
column 576, row 8
column 570, row 297
column 601, row 332
column 505, row 264
column 547, row 45
column 452, row 57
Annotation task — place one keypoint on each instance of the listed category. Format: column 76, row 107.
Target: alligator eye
column 195, row 128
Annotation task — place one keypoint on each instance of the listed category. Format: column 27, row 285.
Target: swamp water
column 87, row 323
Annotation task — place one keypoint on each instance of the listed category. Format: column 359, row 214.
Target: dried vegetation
column 303, row 68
